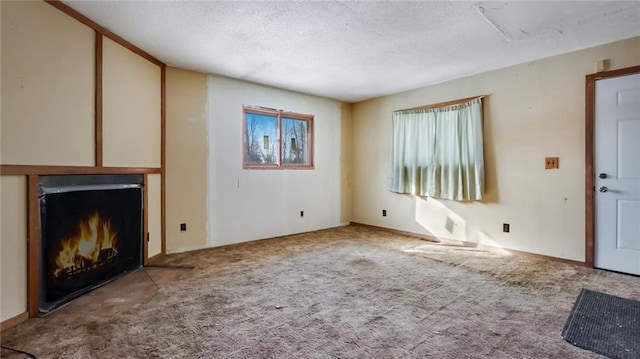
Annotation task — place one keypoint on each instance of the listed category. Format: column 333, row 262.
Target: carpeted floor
column 349, row 292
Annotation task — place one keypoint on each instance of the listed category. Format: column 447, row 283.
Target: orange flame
column 83, row 249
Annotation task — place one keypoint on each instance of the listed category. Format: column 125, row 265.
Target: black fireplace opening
column 91, row 233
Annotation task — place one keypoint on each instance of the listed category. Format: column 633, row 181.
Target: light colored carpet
column 349, row 292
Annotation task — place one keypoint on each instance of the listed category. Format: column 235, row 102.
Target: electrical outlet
column 505, row 227
column 551, row 163
column 301, row 213
column 183, row 227
column 384, row 213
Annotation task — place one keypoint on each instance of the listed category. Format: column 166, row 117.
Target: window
column 438, row 152
column 277, row 139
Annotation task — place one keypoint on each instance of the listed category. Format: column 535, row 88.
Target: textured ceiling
column 356, row 50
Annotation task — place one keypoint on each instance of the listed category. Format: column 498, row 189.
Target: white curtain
column 437, row 152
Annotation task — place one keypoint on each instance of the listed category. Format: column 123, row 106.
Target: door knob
column 603, row 189
column 602, row 175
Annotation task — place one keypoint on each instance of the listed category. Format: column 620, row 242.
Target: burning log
column 93, row 246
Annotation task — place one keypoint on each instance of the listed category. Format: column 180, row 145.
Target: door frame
column 590, row 94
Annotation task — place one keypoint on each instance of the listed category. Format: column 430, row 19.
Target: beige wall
column 154, row 208
column 47, row 87
column 533, row 110
column 345, row 163
column 246, row 205
column 13, row 246
column 186, row 161
column 131, row 108
column 241, row 207
column 0, row 84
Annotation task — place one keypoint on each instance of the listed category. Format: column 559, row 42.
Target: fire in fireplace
column 91, row 233
column 92, row 246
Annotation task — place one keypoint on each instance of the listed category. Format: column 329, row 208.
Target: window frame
column 279, row 115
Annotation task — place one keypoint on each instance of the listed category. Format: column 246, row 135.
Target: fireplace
column 91, row 232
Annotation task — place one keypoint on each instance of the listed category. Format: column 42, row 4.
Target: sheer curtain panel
column 437, row 152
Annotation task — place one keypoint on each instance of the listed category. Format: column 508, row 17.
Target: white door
column 617, row 171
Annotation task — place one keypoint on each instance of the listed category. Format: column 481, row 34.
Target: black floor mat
column 605, row 324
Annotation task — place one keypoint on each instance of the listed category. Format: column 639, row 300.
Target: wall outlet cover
column 551, row 163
